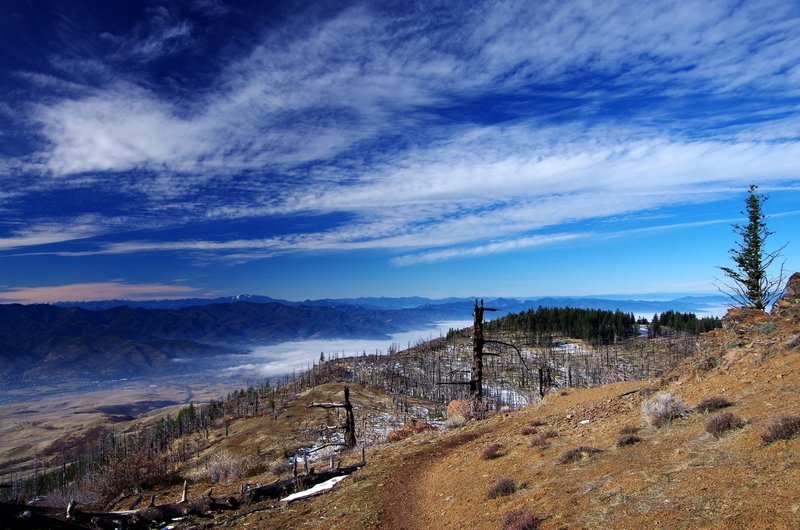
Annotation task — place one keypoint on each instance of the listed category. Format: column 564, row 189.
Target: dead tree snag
column 349, row 425
column 476, row 382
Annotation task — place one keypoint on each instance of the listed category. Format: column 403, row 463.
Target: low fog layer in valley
column 32, row 417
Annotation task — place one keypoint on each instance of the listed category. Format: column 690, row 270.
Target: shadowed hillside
column 40, row 342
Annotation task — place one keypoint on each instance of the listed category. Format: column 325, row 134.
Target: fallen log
column 149, row 516
column 22, row 516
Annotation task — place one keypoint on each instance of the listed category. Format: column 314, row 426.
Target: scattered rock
column 788, row 306
column 411, row 426
column 459, row 410
column 741, row 320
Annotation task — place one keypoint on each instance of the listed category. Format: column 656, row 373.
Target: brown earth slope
column 677, row 476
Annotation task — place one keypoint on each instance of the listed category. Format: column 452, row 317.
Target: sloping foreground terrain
column 677, row 475
column 582, row 458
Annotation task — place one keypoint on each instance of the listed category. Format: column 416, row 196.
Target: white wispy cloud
column 343, row 115
column 54, row 232
column 347, row 79
column 162, row 34
column 482, row 250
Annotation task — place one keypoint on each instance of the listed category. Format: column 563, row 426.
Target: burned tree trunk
column 476, row 382
column 349, row 425
column 349, row 422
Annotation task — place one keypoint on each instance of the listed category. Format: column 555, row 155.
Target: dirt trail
column 414, row 497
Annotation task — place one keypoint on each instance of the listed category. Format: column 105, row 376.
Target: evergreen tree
column 655, row 326
column 750, row 282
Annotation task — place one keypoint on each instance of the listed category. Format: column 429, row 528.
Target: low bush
column 520, row 519
column 278, row 467
column 223, row 467
column 662, row 408
column 646, row 392
column 529, row 430
column 578, row 453
column 782, row 428
column 539, row 441
column 255, row 470
column 133, row 473
column 62, row 496
column 721, row 422
column 492, row 451
column 765, row 328
column 713, row 403
column 628, row 429
column 626, row 439
column 501, row 487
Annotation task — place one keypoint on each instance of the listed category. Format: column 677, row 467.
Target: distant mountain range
column 48, row 341
column 118, row 338
column 457, row 308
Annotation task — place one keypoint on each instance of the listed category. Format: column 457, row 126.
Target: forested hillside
column 596, row 326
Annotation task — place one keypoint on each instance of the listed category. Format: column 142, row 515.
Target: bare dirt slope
column 677, row 476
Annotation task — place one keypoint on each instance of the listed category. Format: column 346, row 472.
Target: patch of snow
column 507, row 396
column 315, row 490
column 572, row 349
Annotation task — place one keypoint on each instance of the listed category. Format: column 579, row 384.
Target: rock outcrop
column 788, row 306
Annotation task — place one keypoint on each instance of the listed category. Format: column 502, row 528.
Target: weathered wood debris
column 33, row 517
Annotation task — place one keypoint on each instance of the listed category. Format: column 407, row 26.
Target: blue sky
column 204, row 148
